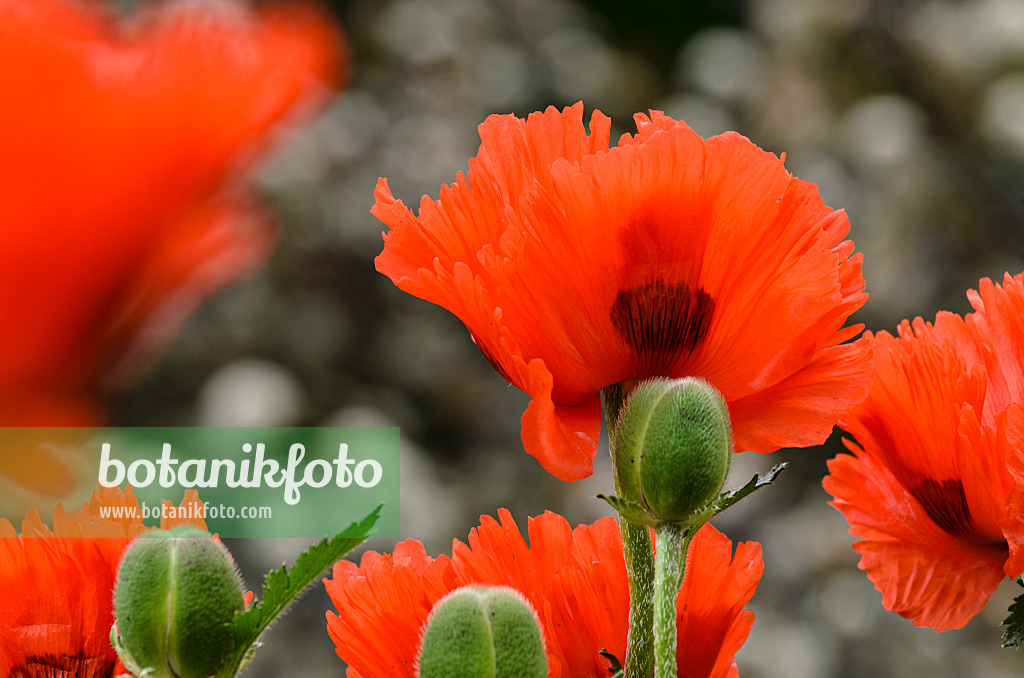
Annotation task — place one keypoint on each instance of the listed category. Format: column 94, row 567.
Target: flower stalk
column 636, row 543
column 639, row 556
column 673, row 541
column 671, row 445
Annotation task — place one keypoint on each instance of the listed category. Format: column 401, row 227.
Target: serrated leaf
column 282, row 586
column 728, row 499
column 1013, row 636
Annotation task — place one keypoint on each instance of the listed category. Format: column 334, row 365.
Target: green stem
column 636, row 544
column 673, row 540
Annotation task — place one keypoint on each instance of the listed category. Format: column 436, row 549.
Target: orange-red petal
column 381, row 606
column 997, row 330
column 562, row 437
column 923, row 573
column 933, row 488
column 126, row 146
column 58, row 583
column 713, row 623
column 574, row 578
column 665, row 256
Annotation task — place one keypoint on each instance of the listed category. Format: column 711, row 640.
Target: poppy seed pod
column 672, row 447
column 177, row 593
column 482, row 632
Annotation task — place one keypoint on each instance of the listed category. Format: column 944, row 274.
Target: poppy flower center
column 662, row 321
column 53, row 666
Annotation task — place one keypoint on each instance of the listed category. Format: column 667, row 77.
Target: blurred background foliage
column 908, row 114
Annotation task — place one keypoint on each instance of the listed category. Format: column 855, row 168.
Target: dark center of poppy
column 946, row 504
column 53, row 666
column 662, row 321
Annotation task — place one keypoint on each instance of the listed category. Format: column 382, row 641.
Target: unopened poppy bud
column 672, row 447
column 482, row 632
column 177, row 593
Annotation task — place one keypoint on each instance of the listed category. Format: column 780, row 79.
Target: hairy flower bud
column 177, row 593
column 482, row 632
column 672, row 448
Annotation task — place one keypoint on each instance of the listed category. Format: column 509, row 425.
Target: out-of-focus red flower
column 124, row 145
column 575, row 579
column 576, row 267
column 935, row 486
column 58, row 585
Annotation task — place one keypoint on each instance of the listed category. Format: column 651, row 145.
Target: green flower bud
column 177, row 593
column 672, row 448
column 482, row 632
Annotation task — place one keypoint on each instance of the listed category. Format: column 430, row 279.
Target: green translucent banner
column 251, row 482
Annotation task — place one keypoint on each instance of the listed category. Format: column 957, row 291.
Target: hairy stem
column 673, row 541
column 636, row 544
column 636, row 540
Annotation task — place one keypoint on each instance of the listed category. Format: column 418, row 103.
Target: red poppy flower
column 576, row 267
column 57, row 606
column 934, row 486
column 575, row 579
column 124, row 146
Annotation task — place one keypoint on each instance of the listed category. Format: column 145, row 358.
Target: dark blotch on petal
column 946, row 504
column 53, row 666
column 662, row 321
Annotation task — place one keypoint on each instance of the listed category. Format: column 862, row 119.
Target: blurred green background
column 907, row 114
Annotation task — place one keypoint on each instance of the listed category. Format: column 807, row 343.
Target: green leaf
column 282, row 586
column 728, row 499
column 630, row 510
column 1014, row 634
column 616, row 665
